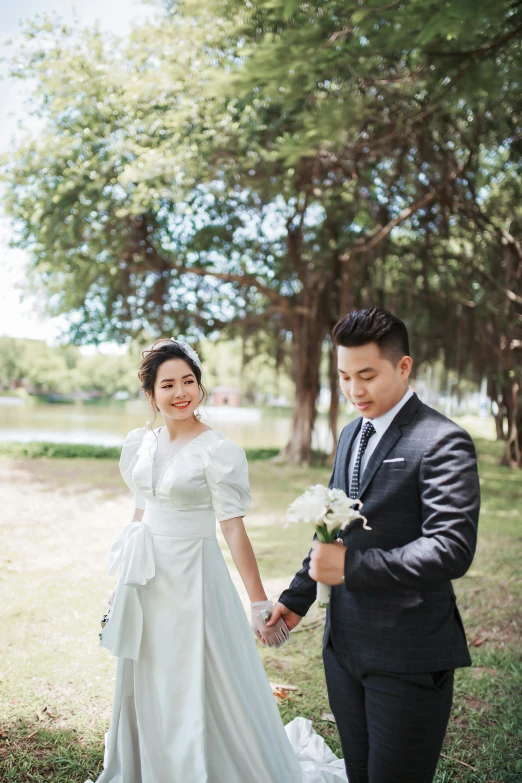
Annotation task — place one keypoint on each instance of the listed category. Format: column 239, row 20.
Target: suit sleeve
column 303, row 589
column 450, row 502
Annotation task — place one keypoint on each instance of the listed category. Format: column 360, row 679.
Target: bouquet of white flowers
column 329, row 511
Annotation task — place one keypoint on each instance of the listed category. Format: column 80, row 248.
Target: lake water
column 107, row 424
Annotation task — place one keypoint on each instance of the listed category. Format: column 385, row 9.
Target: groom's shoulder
column 435, row 425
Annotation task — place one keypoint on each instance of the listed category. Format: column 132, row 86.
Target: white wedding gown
column 192, row 702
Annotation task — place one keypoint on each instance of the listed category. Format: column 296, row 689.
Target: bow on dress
column 132, row 554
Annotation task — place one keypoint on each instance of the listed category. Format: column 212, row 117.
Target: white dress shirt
column 381, row 424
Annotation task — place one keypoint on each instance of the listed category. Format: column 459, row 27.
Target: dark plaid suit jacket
column 397, row 609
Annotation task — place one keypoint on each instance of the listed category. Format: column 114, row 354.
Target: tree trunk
column 499, row 423
column 333, row 413
column 513, row 453
column 518, row 429
column 299, row 448
column 309, row 329
column 499, row 416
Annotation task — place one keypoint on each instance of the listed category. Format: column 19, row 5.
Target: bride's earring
column 197, row 414
column 150, row 423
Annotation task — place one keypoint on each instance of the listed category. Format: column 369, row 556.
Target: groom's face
column 371, row 381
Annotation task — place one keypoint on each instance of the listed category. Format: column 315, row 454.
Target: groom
column 393, row 635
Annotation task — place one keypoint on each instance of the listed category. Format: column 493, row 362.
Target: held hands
column 272, row 624
column 275, row 635
column 281, row 611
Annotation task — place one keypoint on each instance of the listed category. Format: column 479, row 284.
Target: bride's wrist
column 258, row 598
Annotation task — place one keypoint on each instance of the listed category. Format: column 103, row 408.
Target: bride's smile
column 176, row 392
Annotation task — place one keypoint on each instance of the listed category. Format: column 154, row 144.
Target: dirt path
column 58, row 515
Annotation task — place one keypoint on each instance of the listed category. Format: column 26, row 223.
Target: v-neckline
column 166, row 465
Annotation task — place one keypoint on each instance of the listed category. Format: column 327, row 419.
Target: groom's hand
column 291, row 618
column 327, row 563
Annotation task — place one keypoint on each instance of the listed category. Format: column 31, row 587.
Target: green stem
column 324, row 536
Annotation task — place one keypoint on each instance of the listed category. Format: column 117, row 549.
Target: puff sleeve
column 128, row 459
column 226, row 471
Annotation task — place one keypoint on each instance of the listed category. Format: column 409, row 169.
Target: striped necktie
column 367, row 431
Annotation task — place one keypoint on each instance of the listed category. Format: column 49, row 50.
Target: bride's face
column 176, row 391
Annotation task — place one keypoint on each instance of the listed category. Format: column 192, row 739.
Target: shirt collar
column 381, row 423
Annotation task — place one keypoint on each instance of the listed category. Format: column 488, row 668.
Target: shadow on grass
column 33, row 754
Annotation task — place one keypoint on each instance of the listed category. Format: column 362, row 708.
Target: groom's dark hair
column 374, row 325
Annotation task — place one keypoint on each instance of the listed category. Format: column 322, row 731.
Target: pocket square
column 396, row 459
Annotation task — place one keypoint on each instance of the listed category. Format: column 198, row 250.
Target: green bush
column 84, row 451
column 254, row 454
column 59, row 450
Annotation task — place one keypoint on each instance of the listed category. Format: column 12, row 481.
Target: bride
column 192, row 702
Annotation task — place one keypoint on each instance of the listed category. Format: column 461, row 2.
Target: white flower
column 308, row 507
column 321, row 491
column 341, row 512
column 330, row 508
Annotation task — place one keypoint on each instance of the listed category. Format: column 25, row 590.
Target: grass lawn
column 58, row 517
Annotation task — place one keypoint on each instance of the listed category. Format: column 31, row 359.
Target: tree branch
column 366, row 8
column 244, row 279
column 482, row 49
column 383, row 232
column 511, row 240
column 503, row 234
column 199, row 319
column 511, row 295
column 379, row 8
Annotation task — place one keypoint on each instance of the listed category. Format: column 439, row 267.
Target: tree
column 351, row 93
column 288, row 172
column 12, row 363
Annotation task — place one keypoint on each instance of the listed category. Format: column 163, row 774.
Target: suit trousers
column 391, row 726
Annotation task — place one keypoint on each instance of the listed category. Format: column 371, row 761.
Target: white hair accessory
column 191, row 353
column 185, row 347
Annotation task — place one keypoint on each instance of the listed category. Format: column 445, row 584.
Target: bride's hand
column 277, row 634
column 281, row 611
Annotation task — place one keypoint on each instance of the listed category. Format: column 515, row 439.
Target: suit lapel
column 388, row 441
column 351, row 435
column 385, row 445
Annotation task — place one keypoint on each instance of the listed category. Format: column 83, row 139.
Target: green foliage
column 36, row 449
column 249, row 365
column 45, row 369
column 155, row 161
column 340, row 72
column 254, row 455
column 122, row 195
column 270, row 165
column 36, row 364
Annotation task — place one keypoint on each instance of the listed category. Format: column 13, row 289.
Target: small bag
column 104, row 621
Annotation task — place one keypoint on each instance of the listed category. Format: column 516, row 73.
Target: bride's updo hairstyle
column 153, row 357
